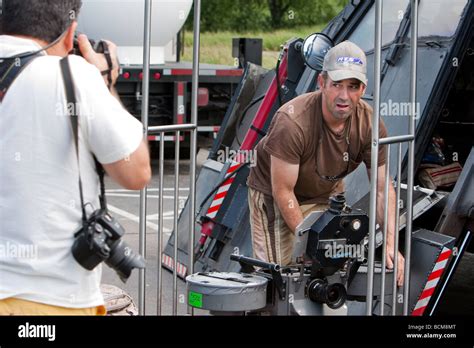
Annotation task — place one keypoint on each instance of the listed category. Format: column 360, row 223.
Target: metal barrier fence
column 376, row 142
column 176, row 129
column 161, row 130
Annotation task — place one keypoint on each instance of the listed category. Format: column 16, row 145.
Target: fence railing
column 376, row 142
column 191, row 128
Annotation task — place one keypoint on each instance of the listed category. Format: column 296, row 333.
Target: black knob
column 337, row 203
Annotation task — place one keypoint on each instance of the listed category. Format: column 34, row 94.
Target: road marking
column 138, row 196
column 166, row 216
column 149, row 189
column 135, row 218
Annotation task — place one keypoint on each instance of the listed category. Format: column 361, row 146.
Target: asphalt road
column 125, row 206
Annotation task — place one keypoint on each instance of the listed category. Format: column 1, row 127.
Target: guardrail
column 376, row 142
column 161, row 130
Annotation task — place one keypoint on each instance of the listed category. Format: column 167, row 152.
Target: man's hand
column 390, row 257
column 98, row 59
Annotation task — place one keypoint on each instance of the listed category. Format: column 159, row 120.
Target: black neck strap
column 10, row 68
column 108, row 58
column 73, row 116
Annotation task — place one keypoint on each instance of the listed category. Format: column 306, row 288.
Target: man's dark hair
column 41, row 19
column 324, row 74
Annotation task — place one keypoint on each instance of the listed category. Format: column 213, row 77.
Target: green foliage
column 264, row 15
column 216, row 48
column 309, row 12
column 235, row 15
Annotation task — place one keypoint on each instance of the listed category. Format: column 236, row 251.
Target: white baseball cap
column 346, row 61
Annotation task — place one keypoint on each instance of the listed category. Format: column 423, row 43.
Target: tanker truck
column 170, row 77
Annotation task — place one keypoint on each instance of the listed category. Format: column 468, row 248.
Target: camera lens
column 123, row 260
column 333, row 295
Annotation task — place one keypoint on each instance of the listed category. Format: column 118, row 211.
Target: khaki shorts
column 15, row 306
column 272, row 239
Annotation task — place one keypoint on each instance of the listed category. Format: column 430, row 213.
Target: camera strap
column 10, row 68
column 108, row 58
column 73, row 116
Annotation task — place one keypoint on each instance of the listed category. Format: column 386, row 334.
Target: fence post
column 374, row 157
column 193, row 134
column 143, row 192
column 411, row 151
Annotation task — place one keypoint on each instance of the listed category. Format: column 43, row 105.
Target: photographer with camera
column 55, row 232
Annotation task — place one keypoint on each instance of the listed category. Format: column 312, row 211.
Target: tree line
column 264, row 15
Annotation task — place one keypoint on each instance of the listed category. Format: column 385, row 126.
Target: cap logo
column 349, row 60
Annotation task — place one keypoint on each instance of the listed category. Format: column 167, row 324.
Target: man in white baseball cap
column 313, row 142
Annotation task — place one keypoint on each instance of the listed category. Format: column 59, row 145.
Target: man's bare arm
column 284, row 177
column 381, row 172
column 99, row 60
column 133, row 172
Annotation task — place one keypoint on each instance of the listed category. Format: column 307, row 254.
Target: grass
column 216, row 48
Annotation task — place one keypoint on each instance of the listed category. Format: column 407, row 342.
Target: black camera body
column 98, row 46
column 100, row 239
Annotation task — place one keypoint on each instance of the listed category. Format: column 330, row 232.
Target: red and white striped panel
column 204, row 72
column 222, row 192
column 181, row 269
column 432, row 282
column 207, row 129
column 158, row 138
column 180, row 107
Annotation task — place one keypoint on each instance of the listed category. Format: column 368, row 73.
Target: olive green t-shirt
column 299, row 135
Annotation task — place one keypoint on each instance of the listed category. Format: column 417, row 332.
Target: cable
column 28, row 54
column 242, row 116
column 280, row 57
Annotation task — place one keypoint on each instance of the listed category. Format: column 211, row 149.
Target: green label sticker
column 195, row 299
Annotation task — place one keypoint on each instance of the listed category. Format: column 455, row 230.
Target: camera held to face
column 98, row 46
column 100, row 239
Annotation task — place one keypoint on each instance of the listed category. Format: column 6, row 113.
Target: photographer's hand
column 98, row 59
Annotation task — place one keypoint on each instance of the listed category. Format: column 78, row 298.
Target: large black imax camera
column 334, row 237
column 329, row 249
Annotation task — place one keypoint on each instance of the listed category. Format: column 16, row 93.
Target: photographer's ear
column 68, row 41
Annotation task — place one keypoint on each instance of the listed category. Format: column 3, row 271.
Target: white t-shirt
column 39, row 193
